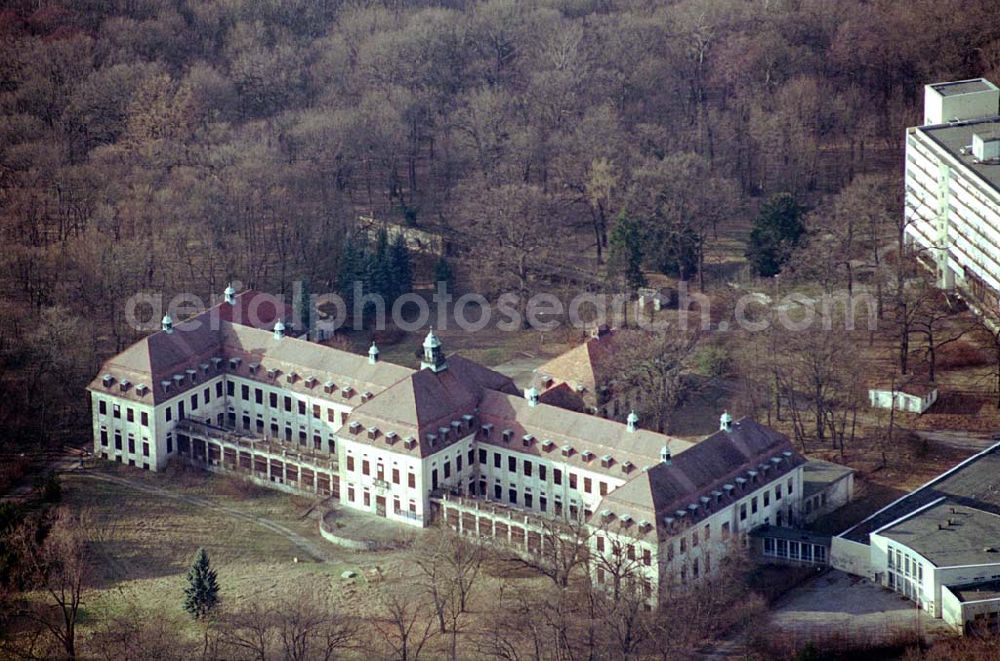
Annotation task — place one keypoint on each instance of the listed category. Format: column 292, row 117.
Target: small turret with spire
column 230, row 294
column 167, row 324
column 632, row 421
column 726, row 421
column 279, row 329
column 433, row 354
column 373, row 353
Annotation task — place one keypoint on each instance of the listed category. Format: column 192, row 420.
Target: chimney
column 373, row 353
column 167, row 324
column 726, row 422
column 531, row 394
column 665, row 456
column 279, row 330
column 230, row 294
column 632, row 421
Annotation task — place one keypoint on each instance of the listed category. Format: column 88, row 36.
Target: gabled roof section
column 586, row 366
column 581, row 432
column 704, row 470
column 422, row 404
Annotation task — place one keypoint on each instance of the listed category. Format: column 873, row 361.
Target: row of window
column 105, row 441
column 116, row 412
column 528, row 469
column 287, row 403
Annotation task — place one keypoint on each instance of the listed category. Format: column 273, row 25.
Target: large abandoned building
column 232, row 389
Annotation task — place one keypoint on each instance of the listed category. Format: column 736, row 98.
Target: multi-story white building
column 232, row 389
column 952, row 202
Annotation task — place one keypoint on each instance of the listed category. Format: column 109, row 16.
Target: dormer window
column 432, row 440
column 409, row 443
column 445, row 434
column 141, row 389
column 216, row 361
column 527, row 440
column 123, row 385
column 107, row 380
column 587, row 455
column 390, row 437
column 567, row 450
column 626, row 519
column 178, row 379
column 456, row 427
column 741, row 483
column 329, row 387
column 547, row 445
column 753, row 476
column 507, row 435
column 645, row 526
column 192, row 374
column 165, row 386
column 606, row 461
column 254, row 367
column 486, row 430
column 775, row 461
column 728, row 488
column 680, row 514
column 372, row 433
column 627, row 467
column 693, row 507
column 204, row 368
column 291, row 377
column 467, row 419
column 717, row 495
column 354, row 427
column 786, row 454
column 347, row 392
column 310, row 382
column 234, row 363
column 272, row 372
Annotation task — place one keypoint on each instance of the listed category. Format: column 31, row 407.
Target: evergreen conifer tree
column 202, row 593
column 625, row 254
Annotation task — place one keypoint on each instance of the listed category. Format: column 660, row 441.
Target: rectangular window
column 600, row 544
column 130, row 414
column 497, row 491
column 647, row 557
column 541, row 472
column 458, row 464
column 572, row 480
column 145, row 449
column 512, row 495
column 330, row 416
column 472, row 457
column 694, row 538
column 543, row 503
column 102, row 407
column 131, row 444
column 317, row 411
column 512, row 464
column 272, row 400
column 777, row 492
column 350, row 462
column 604, row 488
column 587, row 485
column 527, row 500
column 791, row 485
column 447, row 469
column 684, row 544
column 350, row 493
column 496, row 460
column 144, row 418
column 725, row 530
column 231, row 389
column 180, row 410
column 194, row 402
column 708, row 531
column 767, row 498
column 527, row 468
column 288, row 404
column 395, row 475
column 368, row 498
column 104, row 437
column 170, row 444
column 743, row 512
column 116, row 410
column 302, row 407
column 365, row 467
column 482, row 456
column 169, row 414
column 556, row 476
column 205, row 395
column 753, row 505
column 411, row 481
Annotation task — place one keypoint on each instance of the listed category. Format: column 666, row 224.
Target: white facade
column 952, row 202
column 903, row 401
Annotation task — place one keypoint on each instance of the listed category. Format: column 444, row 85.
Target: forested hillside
column 173, row 145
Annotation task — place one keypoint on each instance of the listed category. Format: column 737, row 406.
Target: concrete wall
column 851, row 557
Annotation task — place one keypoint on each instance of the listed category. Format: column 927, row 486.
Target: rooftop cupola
column 279, row 329
column 167, row 324
column 632, row 421
column 665, row 455
column 373, row 354
column 531, row 394
column 725, row 421
column 433, row 354
column 230, row 294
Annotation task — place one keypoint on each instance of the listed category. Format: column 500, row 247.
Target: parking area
column 835, row 605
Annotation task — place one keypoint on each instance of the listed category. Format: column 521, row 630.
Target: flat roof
column 963, row 87
column 817, row 475
column 974, row 483
column 976, row 591
column 950, row 534
column 953, row 137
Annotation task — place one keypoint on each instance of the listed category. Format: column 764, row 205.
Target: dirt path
column 315, row 552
